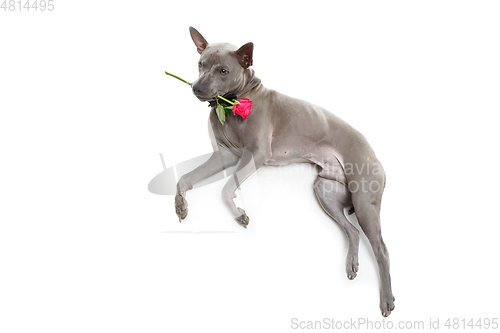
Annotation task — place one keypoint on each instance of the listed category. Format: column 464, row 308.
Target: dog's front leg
column 220, row 160
column 250, row 162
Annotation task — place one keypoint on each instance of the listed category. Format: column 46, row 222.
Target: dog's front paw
column 181, row 207
column 243, row 219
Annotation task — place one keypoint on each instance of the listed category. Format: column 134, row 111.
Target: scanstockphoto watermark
column 353, row 324
column 366, row 177
column 365, row 323
column 27, row 5
column 357, row 177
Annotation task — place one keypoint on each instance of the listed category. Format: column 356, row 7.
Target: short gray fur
column 282, row 130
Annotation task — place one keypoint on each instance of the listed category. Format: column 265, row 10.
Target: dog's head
column 221, row 67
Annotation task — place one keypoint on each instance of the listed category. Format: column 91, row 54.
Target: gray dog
column 281, row 130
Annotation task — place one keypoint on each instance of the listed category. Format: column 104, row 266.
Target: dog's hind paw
column 387, row 305
column 181, row 207
column 243, row 219
column 352, row 266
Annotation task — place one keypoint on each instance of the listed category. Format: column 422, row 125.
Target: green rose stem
column 236, row 102
column 220, row 109
column 218, row 96
column 178, row 78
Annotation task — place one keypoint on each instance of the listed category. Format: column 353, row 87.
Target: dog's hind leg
column 333, row 197
column 366, row 203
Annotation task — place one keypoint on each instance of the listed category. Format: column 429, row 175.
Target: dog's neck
column 249, row 83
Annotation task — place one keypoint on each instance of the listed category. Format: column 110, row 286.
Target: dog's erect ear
column 245, row 55
column 199, row 41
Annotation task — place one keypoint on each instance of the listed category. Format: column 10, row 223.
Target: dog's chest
column 226, row 134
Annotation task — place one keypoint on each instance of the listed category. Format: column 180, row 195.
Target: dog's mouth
column 204, row 99
column 207, row 99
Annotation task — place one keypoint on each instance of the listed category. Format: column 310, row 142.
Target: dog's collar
column 213, row 102
column 231, row 96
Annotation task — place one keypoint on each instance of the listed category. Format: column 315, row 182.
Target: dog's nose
column 196, row 89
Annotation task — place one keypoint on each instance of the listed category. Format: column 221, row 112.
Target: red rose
column 243, row 109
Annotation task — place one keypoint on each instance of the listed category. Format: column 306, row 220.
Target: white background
column 86, row 109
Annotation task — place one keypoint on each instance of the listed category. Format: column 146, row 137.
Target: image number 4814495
column 27, row 5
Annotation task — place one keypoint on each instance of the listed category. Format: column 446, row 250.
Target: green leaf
column 229, row 110
column 220, row 113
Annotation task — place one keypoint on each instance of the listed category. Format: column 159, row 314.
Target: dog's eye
column 199, row 64
column 223, row 71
